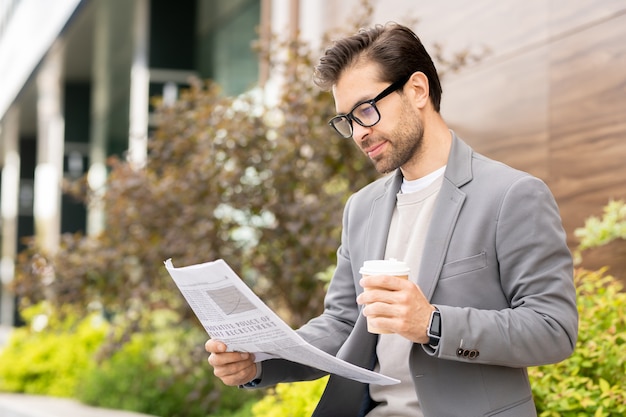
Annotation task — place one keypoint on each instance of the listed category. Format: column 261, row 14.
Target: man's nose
column 359, row 132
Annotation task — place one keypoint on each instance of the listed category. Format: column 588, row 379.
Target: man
column 490, row 291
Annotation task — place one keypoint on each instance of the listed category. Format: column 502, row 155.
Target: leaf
column 604, row 385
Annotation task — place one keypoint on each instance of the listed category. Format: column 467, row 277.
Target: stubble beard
column 407, row 144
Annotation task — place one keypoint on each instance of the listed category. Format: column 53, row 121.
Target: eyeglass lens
column 366, row 114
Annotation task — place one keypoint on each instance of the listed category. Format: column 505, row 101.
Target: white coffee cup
column 391, row 267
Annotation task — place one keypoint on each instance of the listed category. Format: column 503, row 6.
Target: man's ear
column 420, row 89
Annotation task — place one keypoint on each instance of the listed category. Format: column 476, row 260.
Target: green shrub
column 296, row 399
column 47, row 357
column 592, row 382
column 161, row 372
column 164, row 373
column 601, row 231
column 243, row 411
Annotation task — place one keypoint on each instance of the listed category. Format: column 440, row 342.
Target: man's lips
column 375, row 150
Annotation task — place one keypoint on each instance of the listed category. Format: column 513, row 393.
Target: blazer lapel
column 380, row 218
column 447, row 210
column 446, row 213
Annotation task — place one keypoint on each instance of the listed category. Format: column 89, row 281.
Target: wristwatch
column 252, row 384
column 434, row 328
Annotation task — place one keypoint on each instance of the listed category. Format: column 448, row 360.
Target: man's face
column 397, row 137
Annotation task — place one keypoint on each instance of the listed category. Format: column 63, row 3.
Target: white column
column 139, row 86
column 100, row 110
column 284, row 22
column 315, row 19
column 9, row 209
column 50, row 147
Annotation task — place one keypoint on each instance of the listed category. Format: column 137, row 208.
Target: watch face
column 435, row 324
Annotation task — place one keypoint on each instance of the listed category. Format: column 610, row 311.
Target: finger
column 387, row 282
column 233, row 369
column 378, row 295
column 215, row 346
column 383, row 323
column 238, row 378
column 379, row 309
column 228, row 358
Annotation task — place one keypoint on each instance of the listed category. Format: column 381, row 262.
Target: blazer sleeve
column 535, row 269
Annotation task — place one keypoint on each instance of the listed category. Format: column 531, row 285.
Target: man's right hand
column 233, row 368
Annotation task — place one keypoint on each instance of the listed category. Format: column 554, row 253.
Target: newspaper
column 230, row 312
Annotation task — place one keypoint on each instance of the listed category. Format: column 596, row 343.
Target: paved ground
column 18, row 405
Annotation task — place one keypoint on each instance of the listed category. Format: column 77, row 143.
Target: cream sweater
column 406, row 241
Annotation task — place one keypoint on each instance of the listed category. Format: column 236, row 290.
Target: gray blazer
column 497, row 266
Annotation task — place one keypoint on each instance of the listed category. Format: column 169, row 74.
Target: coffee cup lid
column 384, row 267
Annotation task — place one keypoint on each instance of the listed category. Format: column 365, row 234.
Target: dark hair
column 395, row 48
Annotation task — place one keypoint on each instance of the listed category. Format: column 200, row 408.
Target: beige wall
column 556, row 107
column 549, row 98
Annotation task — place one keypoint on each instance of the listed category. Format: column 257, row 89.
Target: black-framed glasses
column 364, row 113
